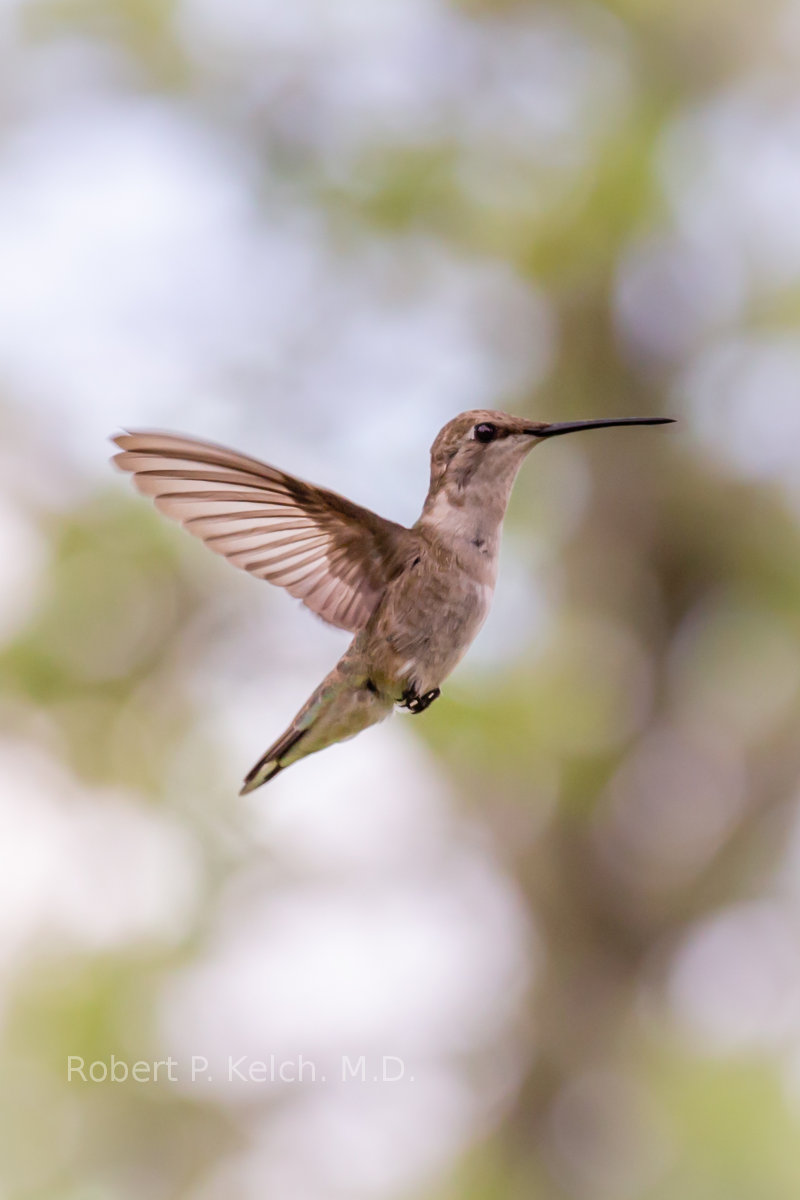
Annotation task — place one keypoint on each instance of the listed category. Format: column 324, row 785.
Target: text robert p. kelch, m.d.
column 238, row 1069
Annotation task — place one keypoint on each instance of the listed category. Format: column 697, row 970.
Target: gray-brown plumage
column 415, row 598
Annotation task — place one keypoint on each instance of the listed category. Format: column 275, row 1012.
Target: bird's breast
column 427, row 622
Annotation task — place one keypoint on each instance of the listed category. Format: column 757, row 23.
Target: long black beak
column 545, row 431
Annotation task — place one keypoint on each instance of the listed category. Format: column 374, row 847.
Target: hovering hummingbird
column 415, row 598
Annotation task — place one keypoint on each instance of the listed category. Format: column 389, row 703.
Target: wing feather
column 330, row 553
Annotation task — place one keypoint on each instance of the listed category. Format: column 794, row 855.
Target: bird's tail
column 340, row 707
column 269, row 765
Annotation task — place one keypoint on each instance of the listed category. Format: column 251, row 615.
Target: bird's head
column 486, row 446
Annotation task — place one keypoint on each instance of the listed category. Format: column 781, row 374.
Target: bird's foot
column 418, row 704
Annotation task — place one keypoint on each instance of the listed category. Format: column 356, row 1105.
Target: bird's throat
column 459, row 522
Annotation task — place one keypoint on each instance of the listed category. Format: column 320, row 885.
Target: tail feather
column 262, row 772
column 268, row 766
column 339, row 708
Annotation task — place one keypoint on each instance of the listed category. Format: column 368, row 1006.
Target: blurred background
column 568, row 898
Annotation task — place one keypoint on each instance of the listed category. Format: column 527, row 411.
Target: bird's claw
column 417, row 704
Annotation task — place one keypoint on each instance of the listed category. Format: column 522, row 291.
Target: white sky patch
column 744, row 401
column 10, row 13
column 375, row 920
column 352, row 814
column 141, row 285
column 370, row 1142
column 377, row 924
column 340, row 77
column 735, row 982
column 418, row 964
column 119, row 256
column 405, row 930
column 671, row 293
column 90, row 868
column 415, row 968
column 731, row 171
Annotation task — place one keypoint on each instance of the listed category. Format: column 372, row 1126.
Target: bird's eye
column 485, row 432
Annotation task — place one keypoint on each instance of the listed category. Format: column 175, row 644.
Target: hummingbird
column 413, row 597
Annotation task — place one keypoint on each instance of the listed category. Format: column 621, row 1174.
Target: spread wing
column 333, row 555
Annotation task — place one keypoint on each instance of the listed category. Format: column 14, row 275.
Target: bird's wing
column 333, row 555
